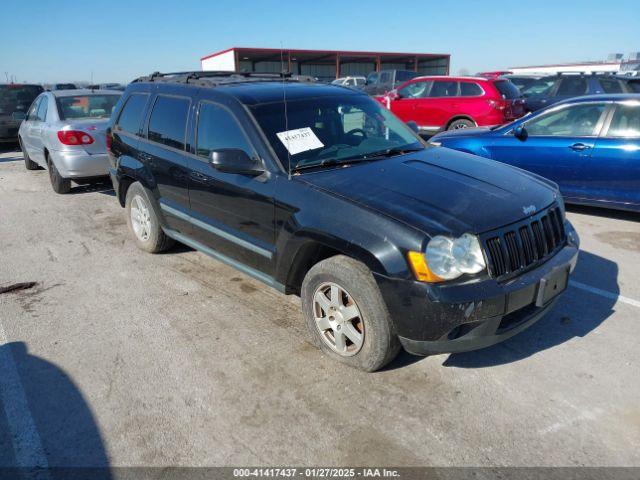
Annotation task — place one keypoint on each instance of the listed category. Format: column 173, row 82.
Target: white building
column 615, row 63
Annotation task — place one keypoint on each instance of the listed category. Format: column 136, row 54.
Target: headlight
column 449, row 258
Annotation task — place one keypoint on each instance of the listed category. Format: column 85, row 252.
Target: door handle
column 579, row 147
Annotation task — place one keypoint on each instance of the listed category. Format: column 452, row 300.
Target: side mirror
column 520, row 133
column 413, row 126
column 235, row 160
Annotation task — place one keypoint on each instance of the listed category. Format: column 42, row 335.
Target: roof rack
column 212, row 78
column 590, row 72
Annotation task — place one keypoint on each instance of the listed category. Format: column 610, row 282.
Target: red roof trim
column 329, row 52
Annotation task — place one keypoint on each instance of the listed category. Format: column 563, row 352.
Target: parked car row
column 323, row 193
column 589, row 145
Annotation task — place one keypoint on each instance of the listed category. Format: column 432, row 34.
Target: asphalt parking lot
column 121, row 358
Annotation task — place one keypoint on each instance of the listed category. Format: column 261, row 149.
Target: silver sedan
column 64, row 131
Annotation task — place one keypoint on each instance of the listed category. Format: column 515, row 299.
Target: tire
column 60, row 184
column 28, row 163
column 378, row 343
column 460, row 124
column 143, row 221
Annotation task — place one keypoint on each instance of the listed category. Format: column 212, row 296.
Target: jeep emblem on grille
column 529, row 210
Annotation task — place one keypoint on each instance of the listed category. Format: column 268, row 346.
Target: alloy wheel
column 140, row 218
column 338, row 319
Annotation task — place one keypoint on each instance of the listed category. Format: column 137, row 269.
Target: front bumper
column 432, row 318
column 9, row 132
column 80, row 164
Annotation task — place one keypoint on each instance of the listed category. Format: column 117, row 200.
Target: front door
column 233, row 214
column 558, row 144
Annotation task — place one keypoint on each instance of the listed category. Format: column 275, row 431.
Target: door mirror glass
column 520, row 132
column 235, row 160
column 413, row 126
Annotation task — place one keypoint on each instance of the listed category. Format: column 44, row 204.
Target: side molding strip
column 224, row 259
column 216, row 231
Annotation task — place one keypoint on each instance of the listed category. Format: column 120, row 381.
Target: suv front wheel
column 346, row 315
column 143, row 221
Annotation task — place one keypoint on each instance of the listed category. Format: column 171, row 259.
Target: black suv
column 552, row 89
column 321, row 192
column 15, row 100
column 379, row 83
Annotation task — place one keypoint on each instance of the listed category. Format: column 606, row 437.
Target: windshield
column 17, row 98
column 332, row 130
column 540, row 87
column 86, row 106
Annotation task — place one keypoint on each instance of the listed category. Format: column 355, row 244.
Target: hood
column 440, row 190
column 462, row 132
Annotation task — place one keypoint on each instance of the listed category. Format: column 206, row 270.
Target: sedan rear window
column 86, row 106
column 507, row 89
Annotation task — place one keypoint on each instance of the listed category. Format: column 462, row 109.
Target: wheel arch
column 308, row 249
column 460, row 117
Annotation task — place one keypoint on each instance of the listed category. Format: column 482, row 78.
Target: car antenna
column 286, row 118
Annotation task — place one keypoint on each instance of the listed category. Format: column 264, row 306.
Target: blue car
column 589, row 146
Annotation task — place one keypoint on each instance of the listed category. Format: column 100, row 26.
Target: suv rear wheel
column 346, row 315
column 461, row 123
column 144, row 222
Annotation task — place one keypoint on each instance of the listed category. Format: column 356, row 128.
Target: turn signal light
column 421, row 269
column 74, row 137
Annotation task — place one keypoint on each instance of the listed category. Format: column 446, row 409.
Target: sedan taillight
column 74, row 137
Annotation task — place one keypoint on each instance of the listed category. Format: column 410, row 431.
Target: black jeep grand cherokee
column 319, row 191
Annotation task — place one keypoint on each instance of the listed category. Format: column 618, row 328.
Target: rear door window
column 42, row 109
column 507, row 89
column 33, row 110
column 218, row 128
column 131, row 115
column 625, row 121
column 168, row 121
column 385, row 77
column 442, row 88
column 470, row 89
column 572, row 86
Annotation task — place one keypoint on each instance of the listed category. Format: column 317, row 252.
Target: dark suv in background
column 555, row 88
column 321, row 192
column 15, row 100
column 384, row 81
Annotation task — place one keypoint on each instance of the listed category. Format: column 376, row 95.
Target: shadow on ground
column 45, row 421
column 576, row 314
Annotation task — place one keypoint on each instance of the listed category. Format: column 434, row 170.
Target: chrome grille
column 524, row 244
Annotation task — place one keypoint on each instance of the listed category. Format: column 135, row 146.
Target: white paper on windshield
column 299, row 140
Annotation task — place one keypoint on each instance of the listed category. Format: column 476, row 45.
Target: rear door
column 36, row 130
column 164, row 153
column 30, row 121
column 614, row 174
column 442, row 96
column 558, row 146
column 233, row 213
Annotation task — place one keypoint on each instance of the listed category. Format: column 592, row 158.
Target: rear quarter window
column 131, row 116
column 611, row 85
column 470, row 89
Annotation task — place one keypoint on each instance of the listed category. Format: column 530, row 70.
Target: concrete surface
column 117, row 357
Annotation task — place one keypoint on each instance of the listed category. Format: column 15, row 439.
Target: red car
column 446, row 103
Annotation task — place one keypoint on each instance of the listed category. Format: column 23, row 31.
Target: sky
column 47, row 41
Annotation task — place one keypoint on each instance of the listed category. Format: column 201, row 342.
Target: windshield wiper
column 332, row 162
